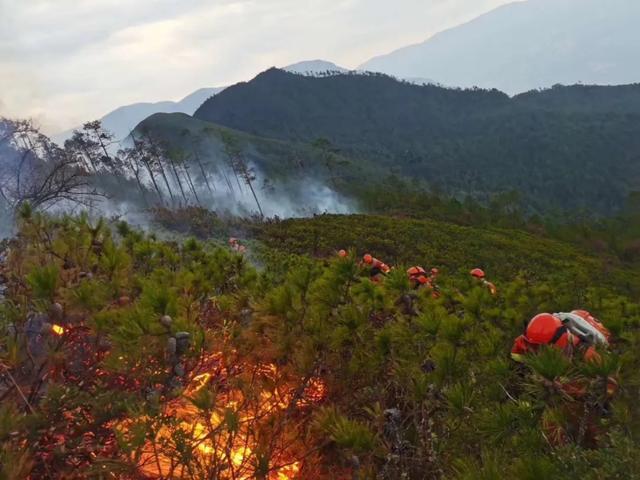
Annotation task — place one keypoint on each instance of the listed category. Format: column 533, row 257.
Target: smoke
column 291, row 199
column 221, row 191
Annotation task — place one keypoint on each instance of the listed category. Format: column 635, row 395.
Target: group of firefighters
column 578, row 334
column 575, row 333
column 418, row 276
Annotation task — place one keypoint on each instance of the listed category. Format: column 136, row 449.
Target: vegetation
column 129, row 357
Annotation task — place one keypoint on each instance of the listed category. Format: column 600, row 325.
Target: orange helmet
column 415, row 271
column 544, row 329
column 367, row 258
column 478, row 273
column 342, row 253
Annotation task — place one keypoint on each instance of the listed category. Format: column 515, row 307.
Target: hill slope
column 569, row 154
column 527, row 45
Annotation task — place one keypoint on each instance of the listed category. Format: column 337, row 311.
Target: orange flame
column 224, row 434
column 57, row 329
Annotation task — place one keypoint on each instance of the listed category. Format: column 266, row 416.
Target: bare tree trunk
column 235, row 172
column 255, row 197
column 136, row 174
column 153, row 180
column 226, row 178
column 204, row 174
column 191, row 185
column 166, row 182
column 104, row 148
column 90, row 161
column 175, row 173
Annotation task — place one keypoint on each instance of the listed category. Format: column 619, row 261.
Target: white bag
column 582, row 329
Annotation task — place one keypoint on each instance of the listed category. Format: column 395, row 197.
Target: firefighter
column 578, row 331
column 236, row 246
column 377, row 268
column 480, row 276
column 575, row 333
column 419, row 277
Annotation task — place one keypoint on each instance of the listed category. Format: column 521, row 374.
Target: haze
column 63, row 62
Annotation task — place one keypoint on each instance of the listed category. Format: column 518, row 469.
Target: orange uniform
column 480, row 275
column 573, row 332
column 548, row 329
column 378, row 267
column 236, row 246
column 418, row 277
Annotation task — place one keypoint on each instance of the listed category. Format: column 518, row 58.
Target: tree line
column 42, row 173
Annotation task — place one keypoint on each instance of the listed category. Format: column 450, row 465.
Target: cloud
column 67, row 61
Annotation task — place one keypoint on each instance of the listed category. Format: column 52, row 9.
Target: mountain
column 527, row 45
column 579, row 152
column 123, row 119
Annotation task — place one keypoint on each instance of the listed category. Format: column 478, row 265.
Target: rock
column 183, row 339
column 179, row 370
column 166, row 320
column 245, row 316
column 56, row 311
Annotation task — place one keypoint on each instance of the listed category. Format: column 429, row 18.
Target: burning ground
column 111, row 392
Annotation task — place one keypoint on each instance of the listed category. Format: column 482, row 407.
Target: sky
column 64, row 62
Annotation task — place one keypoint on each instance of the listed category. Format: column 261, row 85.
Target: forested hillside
column 578, row 153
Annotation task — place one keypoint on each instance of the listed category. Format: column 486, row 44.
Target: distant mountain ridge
column 527, row 45
column 124, row 119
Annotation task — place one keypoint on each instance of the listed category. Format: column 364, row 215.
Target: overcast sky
column 67, row 61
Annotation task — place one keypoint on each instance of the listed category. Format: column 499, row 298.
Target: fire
column 57, row 329
column 288, row 472
column 230, row 436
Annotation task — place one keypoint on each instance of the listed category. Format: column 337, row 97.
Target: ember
column 57, row 329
